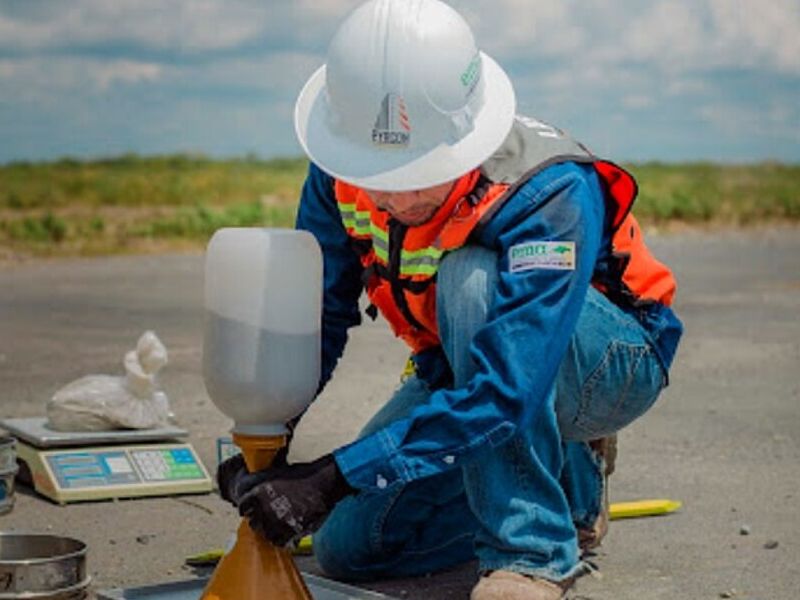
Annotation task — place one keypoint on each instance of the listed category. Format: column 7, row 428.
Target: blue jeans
column 515, row 506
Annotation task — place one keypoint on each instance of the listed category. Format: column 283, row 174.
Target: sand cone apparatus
column 254, row 568
column 261, row 367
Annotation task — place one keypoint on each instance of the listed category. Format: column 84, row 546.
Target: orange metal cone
column 255, row 569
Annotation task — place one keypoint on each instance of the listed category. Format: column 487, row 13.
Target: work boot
column 508, row 585
column 591, row 537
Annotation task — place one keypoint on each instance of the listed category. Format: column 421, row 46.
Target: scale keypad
column 164, row 465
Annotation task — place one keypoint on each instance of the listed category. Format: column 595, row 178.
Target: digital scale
column 68, row 466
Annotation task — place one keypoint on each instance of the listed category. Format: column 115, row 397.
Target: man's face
column 414, row 207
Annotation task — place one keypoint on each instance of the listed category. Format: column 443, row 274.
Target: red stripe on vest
column 620, row 186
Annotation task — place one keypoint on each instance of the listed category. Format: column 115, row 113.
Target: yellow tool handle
column 643, row 508
column 304, row 546
column 210, row 557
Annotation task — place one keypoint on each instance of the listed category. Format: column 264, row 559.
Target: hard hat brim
column 396, row 169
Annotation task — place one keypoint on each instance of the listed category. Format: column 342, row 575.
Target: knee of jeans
column 329, row 557
column 466, row 277
column 340, row 546
column 332, row 554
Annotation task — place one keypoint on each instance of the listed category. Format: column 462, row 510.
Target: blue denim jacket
column 519, row 350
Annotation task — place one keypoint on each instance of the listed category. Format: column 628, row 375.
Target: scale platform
column 320, row 588
column 99, row 465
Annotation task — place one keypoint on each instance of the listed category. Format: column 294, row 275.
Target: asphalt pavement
column 724, row 438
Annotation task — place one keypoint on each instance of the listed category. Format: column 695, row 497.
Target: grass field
column 152, row 204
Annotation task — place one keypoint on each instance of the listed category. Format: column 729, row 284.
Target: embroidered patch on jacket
column 542, row 255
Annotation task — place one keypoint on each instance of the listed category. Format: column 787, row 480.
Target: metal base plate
column 320, row 588
column 35, row 431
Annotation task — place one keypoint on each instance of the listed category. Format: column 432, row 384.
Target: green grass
column 199, row 222
column 125, row 203
column 712, row 193
column 47, row 228
column 136, row 181
column 139, row 203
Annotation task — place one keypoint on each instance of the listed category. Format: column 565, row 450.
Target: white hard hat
column 405, row 100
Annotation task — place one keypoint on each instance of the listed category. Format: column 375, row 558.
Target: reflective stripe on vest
column 419, row 262
column 400, row 280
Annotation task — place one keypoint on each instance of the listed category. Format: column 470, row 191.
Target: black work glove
column 233, row 476
column 292, row 501
column 234, row 479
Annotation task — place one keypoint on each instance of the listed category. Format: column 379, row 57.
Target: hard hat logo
column 472, row 74
column 392, row 127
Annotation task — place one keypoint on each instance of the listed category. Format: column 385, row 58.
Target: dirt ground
column 724, row 439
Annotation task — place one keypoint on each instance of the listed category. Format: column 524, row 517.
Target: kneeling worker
column 505, row 255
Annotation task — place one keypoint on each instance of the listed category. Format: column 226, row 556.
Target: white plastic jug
column 263, row 300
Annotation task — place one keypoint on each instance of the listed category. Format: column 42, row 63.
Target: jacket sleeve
column 318, row 213
column 517, row 351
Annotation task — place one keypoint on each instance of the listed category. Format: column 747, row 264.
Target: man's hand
column 284, row 503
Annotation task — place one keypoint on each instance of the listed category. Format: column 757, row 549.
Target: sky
column 635, row 80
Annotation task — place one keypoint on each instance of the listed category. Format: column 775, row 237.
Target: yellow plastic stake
column 643, row 508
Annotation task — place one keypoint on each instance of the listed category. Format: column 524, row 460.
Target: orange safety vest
column 400, row 262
